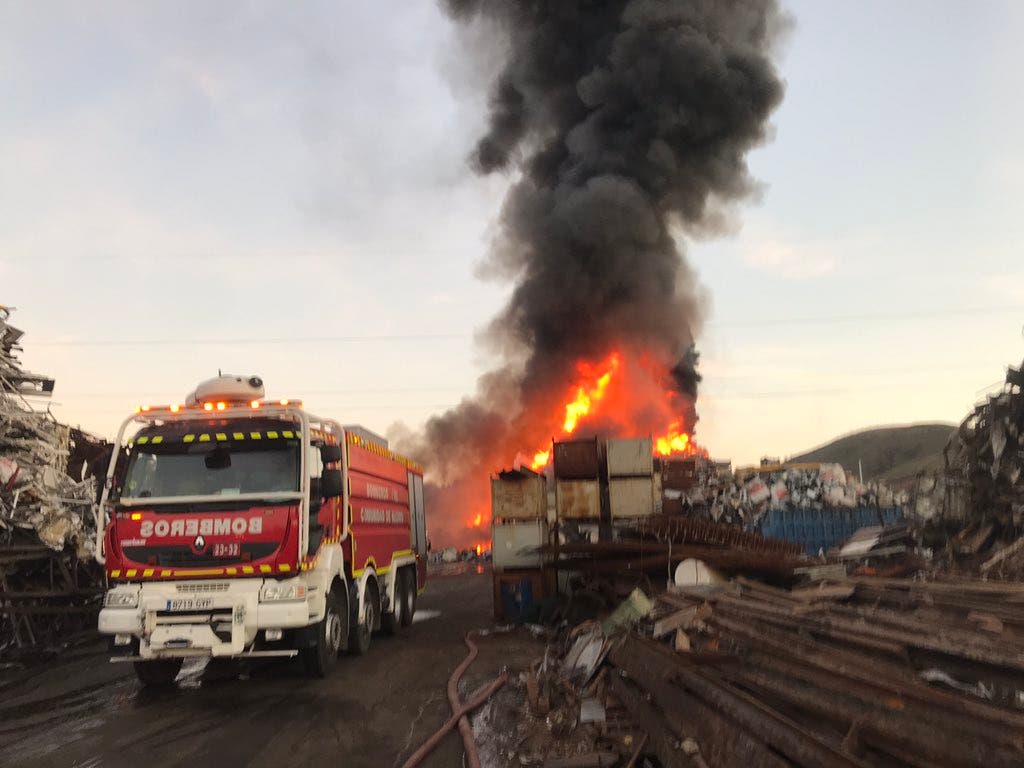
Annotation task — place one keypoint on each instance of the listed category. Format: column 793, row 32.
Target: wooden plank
column 588, row 760
column 824, row 592
column 674, row 621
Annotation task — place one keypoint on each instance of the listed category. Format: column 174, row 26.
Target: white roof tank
column 227, row 388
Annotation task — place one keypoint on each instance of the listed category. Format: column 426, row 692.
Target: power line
column 304, row 392
column 320, row 407
column 249, row 340
column 358, row 339
column 709, row 380
column 919, row 315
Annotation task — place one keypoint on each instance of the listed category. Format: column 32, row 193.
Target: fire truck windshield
column 177, row 469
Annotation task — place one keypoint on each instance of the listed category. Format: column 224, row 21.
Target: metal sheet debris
column 49, row 582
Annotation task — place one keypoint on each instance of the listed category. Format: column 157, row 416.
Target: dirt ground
column 83, row 712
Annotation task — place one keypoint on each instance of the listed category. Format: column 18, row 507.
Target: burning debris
column 627, row 124
column 48, row 579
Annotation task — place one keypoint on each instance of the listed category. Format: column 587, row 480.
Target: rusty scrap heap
column 49, row 584
column 985, row 456
column 846, row 673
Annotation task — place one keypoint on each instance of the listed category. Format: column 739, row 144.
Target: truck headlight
column 121, row 599
column 274, row 591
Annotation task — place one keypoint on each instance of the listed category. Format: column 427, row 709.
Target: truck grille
column 209, row 586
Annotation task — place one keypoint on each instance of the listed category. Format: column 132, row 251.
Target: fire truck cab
column 235, row 526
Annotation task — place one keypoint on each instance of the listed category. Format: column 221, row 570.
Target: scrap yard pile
column 49, row 583
column 766, row 497
column 984, row 484
column 759, row 652
column 852, row 672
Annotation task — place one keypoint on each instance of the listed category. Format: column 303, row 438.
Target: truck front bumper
column 175, row 619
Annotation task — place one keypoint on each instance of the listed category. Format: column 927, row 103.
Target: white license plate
column 190, row 604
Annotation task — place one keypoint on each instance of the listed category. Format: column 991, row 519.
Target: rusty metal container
column 577, row 460
column 511, row 543
column 631, row 458
column 679, row 474
column 633, row 497
column 518, row 496
column 578, row 499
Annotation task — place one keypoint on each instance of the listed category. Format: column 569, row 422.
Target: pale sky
column 281, row 189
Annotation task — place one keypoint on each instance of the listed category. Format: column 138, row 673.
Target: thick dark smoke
column 623, row 121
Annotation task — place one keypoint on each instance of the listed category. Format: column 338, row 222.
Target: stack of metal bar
column 655, row 544
column 858, row 672
column 49, row 583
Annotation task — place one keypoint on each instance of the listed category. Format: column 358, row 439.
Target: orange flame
column 598, row 383
column 586, row 397
column 540, row 459
column 677, row 441
column 479, row 549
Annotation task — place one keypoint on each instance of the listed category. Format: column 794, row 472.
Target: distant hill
column 887, row 453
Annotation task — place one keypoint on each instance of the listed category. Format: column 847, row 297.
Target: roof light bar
column 219, row 405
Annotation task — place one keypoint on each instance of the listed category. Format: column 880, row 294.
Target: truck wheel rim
column 333, row 630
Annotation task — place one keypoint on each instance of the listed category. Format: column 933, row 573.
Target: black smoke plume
column 622, row 122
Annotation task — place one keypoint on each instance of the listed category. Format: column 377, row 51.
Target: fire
column 479, row 549
column 614, row 398
column 587, row 396
column 676, row 441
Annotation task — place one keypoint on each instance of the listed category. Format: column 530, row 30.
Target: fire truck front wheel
column 320, row 658
column 404, row 604
column 158, row 673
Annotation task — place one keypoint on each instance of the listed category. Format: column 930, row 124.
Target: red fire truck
column 235, row 526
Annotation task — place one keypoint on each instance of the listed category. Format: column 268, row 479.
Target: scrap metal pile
column 745, row 498
column 985, row 459
column 655, row 544
column 49, row 583
column 854, row 672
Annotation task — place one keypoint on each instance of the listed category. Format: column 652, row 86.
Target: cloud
column 792, row 263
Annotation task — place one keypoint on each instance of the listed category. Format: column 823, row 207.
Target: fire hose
column 477, row 699
column 459, row 711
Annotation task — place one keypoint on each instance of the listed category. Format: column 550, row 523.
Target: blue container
column 823, row 529
column 516, row 598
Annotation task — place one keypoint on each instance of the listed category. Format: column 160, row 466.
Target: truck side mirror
column 331, row 483
column 330, row 453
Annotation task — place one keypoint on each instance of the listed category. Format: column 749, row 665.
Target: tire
column 410, row 596
column 393, row 622
column 158, row 673
column 362, row 632
column 320, row 658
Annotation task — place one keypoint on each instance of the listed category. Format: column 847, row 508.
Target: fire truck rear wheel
column 362, row 631
column 320, row 658
column 159, row 673
column 394, row 622
column 408, row 595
